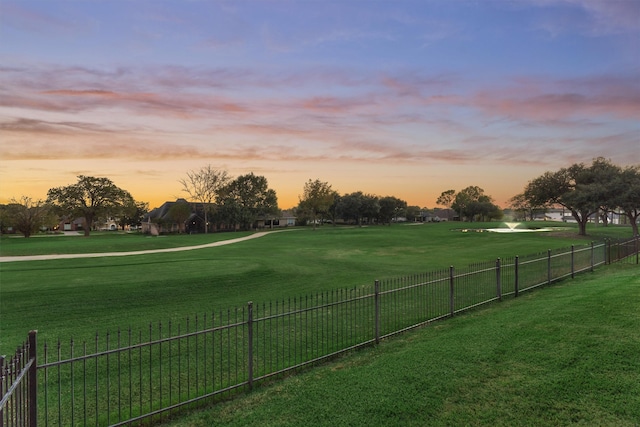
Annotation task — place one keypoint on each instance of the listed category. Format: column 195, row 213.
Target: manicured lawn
column 103, row 242
column 79, row 297
column 566, row 354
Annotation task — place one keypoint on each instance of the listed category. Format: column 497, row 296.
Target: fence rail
column 133, row 378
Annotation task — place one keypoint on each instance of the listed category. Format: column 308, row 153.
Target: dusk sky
column 400, row 98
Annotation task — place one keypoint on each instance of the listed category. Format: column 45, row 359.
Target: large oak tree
column 626, row 195
column 581, row 189
column 89, row 198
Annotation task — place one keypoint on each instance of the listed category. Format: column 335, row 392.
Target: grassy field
column 79, row 297
column 562, row 355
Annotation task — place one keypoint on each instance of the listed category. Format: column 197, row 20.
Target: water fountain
column 509, row 227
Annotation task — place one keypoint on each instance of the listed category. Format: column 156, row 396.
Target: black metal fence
column 141, row 377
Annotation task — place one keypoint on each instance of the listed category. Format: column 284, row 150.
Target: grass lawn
column 79, row 297
column 561, row 355
column 110, row 241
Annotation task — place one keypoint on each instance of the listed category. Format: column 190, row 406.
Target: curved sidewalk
column 149, row 251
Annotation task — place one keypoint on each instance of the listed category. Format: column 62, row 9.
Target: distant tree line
column 319, row 203
column 236, row 203
column 471, row 204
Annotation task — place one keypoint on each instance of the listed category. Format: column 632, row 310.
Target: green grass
column 79, row 297
column 111, row 241
column 562, row 355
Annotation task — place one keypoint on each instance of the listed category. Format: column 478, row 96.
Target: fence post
column 2, row 391
column 377, row 310
column 637, row 249
column 452, row 307
column 517, row 281
column 573, row 266
column 592, row 256
column 498, row 280
column 548, row 266
column 33, row 380
column 250, row 343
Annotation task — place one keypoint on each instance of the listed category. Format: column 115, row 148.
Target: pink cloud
column 402, row 117
column 548, row 99
column 71, row 92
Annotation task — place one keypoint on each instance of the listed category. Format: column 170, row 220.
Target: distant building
column 160, row 220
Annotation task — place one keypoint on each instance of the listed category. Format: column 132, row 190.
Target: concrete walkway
column 150, row 251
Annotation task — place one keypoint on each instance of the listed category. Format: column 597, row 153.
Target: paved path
column 150, row 251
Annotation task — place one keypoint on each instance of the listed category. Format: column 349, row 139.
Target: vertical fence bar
column 452, row 307
column 250, row 343
column 549, row 266
column 592, row 257
column 377, row 310
column 498, row 280
column 637, row 249
column 33, row 380
column 516, row 282
column 3, row 387
column 573, row 263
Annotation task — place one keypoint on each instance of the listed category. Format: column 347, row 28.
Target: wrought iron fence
column 18, row 376
column 134, row 378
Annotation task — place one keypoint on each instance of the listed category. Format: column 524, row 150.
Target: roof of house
column 163, row 211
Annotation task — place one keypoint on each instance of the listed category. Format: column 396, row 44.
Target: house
column 555, row 214
column 163, row 219
column 286, row 219
column 68, row 223
column 110, row 224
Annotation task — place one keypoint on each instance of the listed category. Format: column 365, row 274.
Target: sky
column 389, row 97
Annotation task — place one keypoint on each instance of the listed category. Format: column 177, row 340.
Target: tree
column 626, row 195
column 316, row 199
column 413, row 212
column 333, row 209
column 350, row 207
column 605, row 177
column 357, row 207
column 370, row 207
column 446, row 199
column 132, row 213
column 523, row 207
column 205, row 186
column 27, row 215
column 90, row 198
column 180, row 213
column 5, row 219
column 490, row 211
column 390, row 208
column 581, row 189
column 246, row 198
column 472, row 203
